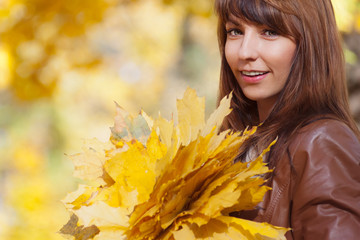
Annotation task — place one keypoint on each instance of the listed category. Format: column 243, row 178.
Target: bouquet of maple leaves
column 158, row 180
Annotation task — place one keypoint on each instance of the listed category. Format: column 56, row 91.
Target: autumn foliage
column 158, row 180
column 64, row 62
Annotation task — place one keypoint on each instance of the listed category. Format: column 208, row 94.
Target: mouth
column 253, row 77
column 253, row 73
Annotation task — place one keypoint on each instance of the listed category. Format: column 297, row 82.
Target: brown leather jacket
column 316, row 192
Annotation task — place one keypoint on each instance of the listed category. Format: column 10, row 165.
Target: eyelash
column 267, row 32
column 229, row 32
column 270, row 33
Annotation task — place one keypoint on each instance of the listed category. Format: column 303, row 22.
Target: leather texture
column 316, row 186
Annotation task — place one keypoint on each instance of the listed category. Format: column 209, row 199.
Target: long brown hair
column 316, row 85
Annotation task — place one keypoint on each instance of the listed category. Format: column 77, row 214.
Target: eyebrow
column 239, row 23
column 233, row 21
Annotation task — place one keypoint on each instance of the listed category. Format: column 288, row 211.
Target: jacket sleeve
column 326, row 189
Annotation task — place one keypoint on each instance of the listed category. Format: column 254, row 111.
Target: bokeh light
column 63, row 64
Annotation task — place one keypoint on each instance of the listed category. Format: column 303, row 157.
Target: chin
column 253, row 98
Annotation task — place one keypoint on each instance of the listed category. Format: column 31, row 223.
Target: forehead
column 240, row 21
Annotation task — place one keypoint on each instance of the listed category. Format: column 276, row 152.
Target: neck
column 264, row 108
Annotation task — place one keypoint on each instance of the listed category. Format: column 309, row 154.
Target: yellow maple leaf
column 217, row 117
column 89, row 165
column 127, row 127
column 133, row 169
column 79, row 197
column 101, row 215
column 191, row 116
column 181, row 183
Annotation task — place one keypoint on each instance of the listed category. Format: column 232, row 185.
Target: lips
column 253, row 76
column 252, row 73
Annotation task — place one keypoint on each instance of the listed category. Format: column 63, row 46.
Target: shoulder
column 325, row 139
column 326, row 128
column 326, row 149
column 325, row 157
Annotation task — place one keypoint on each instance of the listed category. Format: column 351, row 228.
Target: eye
column 233, row 32
column 270, row 33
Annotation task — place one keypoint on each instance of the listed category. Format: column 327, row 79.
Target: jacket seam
column 273, row 203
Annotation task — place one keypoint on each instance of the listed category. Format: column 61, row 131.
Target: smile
column 253, row 77
column 253, row 73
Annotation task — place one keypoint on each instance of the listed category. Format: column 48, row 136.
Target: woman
column 284, row 63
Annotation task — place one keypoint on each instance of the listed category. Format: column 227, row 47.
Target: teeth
column 252, row 73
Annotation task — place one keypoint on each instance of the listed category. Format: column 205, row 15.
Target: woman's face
column 259, row 58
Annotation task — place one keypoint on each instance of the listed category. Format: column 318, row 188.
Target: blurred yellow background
column 63, row 63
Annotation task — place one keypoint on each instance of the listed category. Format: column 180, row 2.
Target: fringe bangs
column 257, row 11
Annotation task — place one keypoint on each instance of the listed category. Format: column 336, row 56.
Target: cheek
column 229, row 54
column 282, row 58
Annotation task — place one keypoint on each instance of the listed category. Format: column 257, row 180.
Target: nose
column 249, row 47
